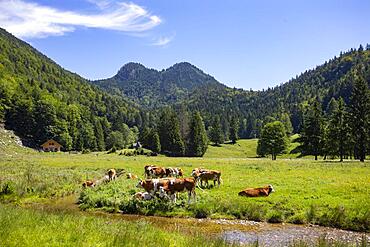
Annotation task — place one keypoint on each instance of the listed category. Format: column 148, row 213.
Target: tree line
column 341, row 130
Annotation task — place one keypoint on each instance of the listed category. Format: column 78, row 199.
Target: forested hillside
column 41, row 100
column 152, row 88
column 187, row 88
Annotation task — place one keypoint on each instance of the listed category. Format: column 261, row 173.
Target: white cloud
column 31, row 20
column 102, row 4
column 162, row 41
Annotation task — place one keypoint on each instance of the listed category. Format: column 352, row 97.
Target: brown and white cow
column 255, row 192
column 203, row 175
column 143, row 196
column 174, row 172
column 147, row 170
column 131, row 176
column 112, row 174
column 174, row 186
column 154, row 171
column 88, row 183
column 151, row 185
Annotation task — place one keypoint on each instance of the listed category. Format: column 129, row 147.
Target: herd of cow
column 166, row 182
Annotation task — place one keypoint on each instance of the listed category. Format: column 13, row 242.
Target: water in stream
column 233, row 231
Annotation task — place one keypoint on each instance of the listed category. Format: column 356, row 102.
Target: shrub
column 7, row 188
column 275, row 217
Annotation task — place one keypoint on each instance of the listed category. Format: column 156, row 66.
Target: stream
column 241, row 232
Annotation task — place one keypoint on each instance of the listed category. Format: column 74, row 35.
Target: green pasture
column 246, row 148
column 322, row 192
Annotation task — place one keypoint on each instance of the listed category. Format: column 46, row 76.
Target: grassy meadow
column 322, row 192
column 327, row 193
column 27, row 227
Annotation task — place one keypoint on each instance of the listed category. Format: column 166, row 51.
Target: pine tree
column 312, row 133
column 234, row 130
column 197, row 138
column 100, row 143
column 340, row 130
column 359, row 112
column 169, row 133
column 273, row 140
column 215, row 132
column 155, row 144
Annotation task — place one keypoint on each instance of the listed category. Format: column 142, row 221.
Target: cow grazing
column 203, row 175
column 88, row 183
column 174, row 186
column 255, row 192
column 143, row 196
column 148, row 169
column 131, row 176
column 103, row 180
column 112, row 174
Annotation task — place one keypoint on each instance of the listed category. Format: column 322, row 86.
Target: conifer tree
column 100, row 144
column 312, row 133
column 155, row 144
column 234, row 130
column 359, row 112
column 215, row 132
column 197, row 137
column 169, row 133
column 339, row 136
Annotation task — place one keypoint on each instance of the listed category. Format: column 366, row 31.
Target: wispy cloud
column 102, row 4
column 162, row 41
column 31, row 20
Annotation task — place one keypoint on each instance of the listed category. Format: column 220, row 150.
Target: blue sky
column 243, row 43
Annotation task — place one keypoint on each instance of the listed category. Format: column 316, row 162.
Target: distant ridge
column 153, row 88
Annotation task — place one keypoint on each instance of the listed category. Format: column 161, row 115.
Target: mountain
column 152, row 88
column 185, row 85
column 40, row 100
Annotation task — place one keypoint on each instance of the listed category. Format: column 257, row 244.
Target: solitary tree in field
column 313, row 131
column 273, row 140
column 359, row 112
column 197, row 137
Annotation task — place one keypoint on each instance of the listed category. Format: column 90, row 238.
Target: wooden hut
column 51, row 146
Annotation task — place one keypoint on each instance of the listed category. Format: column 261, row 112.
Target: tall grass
column 22, row 227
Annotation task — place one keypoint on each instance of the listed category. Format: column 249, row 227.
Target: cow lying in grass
column 143, row 196
column 202, row 175
column 131, row 176
column 169, row 187
column 88, row 183
column 255, row 192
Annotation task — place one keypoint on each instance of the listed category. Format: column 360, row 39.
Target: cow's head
column 195, row 173
column 140, row 184
column 162, row 192
column 271, row 189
